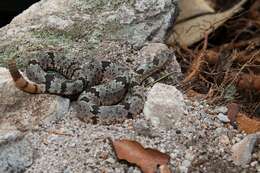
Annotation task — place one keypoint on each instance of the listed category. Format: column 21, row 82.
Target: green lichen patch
column 52, row 38
column 12, row 50
column 97, row 6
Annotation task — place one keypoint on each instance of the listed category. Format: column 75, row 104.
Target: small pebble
column 221, row 109
column 110, row 160
column 183, row 169
column 254, row 163
column 55, row 138
column 186, row 163
column 67, row 170
column 189, row 155
column 223, row 118
column 223, row 139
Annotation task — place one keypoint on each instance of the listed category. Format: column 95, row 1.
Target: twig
column 197, row 63
column 158, row 80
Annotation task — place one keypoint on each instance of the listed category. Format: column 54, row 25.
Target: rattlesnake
column 119, row 98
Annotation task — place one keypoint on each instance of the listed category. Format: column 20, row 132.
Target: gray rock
column 25, row 111
column 152, row 51
column 143, row 128
column 15, row 157
column 164, row 106
column 241, row 151
column 220, row 131
column 9, row 135
column 223, row 118
column 139, row 21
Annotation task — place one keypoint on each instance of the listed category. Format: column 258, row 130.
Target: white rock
column 223, row 118
column 164, row 106
column 241, row 152
column 55, row 138
column 253, row 164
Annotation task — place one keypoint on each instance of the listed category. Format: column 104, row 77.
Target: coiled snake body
column 119, row 98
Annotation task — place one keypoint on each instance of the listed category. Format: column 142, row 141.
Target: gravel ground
column 199, row 142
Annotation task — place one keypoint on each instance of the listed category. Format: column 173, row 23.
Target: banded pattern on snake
column 118, row 98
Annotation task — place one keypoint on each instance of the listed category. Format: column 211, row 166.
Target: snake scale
column 104, row 90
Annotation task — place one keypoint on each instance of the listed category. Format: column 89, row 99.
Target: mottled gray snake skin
column 119, row 98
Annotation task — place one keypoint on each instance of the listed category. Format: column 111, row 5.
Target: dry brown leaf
column 146, row 158
column 197, row 7
column 233, row 109
column 249, row 81
column 244, row 56
column 247, row 124
column 197, row 63
column 192, row 30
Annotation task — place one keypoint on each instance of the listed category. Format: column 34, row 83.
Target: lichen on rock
column 83, row 26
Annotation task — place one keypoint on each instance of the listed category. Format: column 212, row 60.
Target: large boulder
column 102, row 28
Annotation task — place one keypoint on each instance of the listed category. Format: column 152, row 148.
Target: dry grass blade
column 197, row 63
